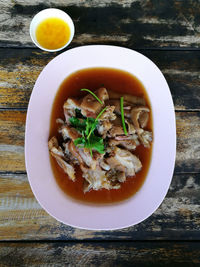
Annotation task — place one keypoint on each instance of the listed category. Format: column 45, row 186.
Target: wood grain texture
column 12, row 125
column 98, row 254
column 22, row 218
column 132, row 23
column 19, row 69
column 161, row 30
column 188, row 142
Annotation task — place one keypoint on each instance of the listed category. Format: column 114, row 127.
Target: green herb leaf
column 86, row 127
column 90, row 149
column 79, row 142
column 93, row 94
column 97, row 143
column 99, row 115
column 90, row 124
column 78, row 124
column 122, row 115
column 91, row 129
column 95, row 123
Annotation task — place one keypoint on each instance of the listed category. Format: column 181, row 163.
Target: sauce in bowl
column 53, row 33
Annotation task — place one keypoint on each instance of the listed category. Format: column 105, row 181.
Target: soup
column 117, row 81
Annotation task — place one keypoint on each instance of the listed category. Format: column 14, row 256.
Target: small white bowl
column 50, row 13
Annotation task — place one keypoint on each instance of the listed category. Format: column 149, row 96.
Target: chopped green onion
column 92, row 128
column 100, row 113
column 90, row 149
column 122, row 114
column 87, row 90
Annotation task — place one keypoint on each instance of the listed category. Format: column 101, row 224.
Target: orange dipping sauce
column 53, row 33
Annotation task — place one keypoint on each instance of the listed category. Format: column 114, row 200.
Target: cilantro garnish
column 78, row 124
column 87, row 127
column 95, row 123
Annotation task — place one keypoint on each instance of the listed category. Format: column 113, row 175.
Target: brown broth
column 93, row 78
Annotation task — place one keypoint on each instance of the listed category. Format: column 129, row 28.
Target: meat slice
column 108, row 114
column 127, row 143
column 117, row 129
column 87, row 159
column 136, row 100
column 89, row 103
column 68, row 154
column 130, row 127
column 118, row 138
column 83, row 156
column 104, row 165
column 68, row 132
column 59, row 121
column 69, row 108
column 57, row 152
column 146, row 138
column 116, row 175
column 117, row 110
column 132, row 137
column 103, row 127
column 143, row 119
column 124, row 159
column 97, row 179
column 74, row 152
column 102, row 94
column 53, row 142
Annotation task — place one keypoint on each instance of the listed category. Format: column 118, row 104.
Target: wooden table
column 168, row 32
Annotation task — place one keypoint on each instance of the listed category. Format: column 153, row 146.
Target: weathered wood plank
column 188, row 142
column 132, row 23
column 100, row 254
column 22, row 218
column 19, row 69
column 12, row 124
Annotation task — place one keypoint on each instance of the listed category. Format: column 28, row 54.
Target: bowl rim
column 91, row 49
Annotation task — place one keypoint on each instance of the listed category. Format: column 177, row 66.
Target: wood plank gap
column 10, row 173
column 188, row 110
column 188, row 173
column 12, row 108
column 101, row 241
column 187, row 49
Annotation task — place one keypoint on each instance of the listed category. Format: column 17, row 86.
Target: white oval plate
column 42, row 181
